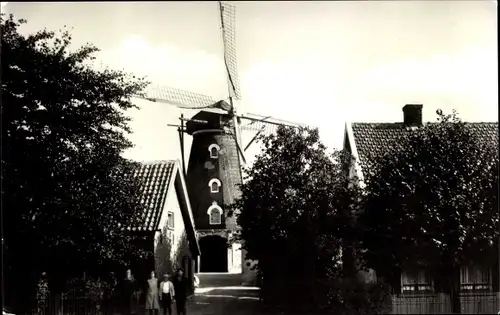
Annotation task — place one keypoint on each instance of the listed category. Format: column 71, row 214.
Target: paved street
column 225, row 300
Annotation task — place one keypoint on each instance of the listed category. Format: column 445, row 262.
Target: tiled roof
column 155, row 178
column 376, row 138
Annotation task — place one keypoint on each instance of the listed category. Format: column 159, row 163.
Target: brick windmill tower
column 216, row 158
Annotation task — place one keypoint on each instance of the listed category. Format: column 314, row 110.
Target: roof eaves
column 354, row 151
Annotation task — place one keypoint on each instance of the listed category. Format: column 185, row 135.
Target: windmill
column 217, row 153
column 259, row 124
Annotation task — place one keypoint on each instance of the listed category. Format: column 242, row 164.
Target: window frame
column 417, row 286
column 210, row 150
column 470, row 271
column 172, row 238
column 170, row 224
column 214, row 207
column 212, row 182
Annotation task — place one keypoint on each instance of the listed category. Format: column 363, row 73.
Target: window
column 475, row 278
column 169, row 237
column 416, row 282
column 214, row 151
column 214, row 185
column 215, row 214
column 172, row 238
column 170, row 220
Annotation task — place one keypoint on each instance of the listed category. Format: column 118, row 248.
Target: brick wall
column 227, row 168
column 202, row 168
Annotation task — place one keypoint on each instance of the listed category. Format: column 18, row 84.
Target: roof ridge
column 378, row 137
column 157, row 162
column 481, row 122
column 425, row 122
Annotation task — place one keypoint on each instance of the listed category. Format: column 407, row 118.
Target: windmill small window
column 214, row 151
column 215, row 214
column 214, row 185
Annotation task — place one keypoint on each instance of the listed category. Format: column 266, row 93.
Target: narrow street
column 237, row 300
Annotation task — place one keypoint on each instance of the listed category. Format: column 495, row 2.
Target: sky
column 319, row 63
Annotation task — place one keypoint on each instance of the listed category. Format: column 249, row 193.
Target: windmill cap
column 224, row 106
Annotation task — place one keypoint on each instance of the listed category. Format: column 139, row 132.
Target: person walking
column 152, row 299
column 167, row 293
column 180, row 286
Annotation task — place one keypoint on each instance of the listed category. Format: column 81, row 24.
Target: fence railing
column 471, row 303
column 76, row 304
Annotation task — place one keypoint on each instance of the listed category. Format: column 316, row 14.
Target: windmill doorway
column 213, row 254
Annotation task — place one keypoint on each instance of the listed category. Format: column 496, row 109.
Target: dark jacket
column 180, row 287
column 128, row 287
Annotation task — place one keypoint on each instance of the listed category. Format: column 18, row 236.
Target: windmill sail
column 168, row 95
column 228, row 22
column 268, row 124
column 181, row 98
column 253, row 125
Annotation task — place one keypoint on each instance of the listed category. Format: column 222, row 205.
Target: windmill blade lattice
column 180, row 98
column 228, row 21
column 268, row 125
column 160, row 93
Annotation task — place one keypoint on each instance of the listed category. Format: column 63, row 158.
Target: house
column 167, row 229
column 363, row 139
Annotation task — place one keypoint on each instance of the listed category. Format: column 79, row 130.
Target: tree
column 431, row 203
column 293, row 214
column 67, row 193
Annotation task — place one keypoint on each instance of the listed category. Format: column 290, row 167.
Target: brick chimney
column 412, row 115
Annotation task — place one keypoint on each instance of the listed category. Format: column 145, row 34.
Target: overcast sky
column 319, row 63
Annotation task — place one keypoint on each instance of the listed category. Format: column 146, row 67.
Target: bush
column 42, row 292
column 92, row 289
column 349, row 296
column 343, row 297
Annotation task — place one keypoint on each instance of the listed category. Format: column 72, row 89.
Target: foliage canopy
column 431, row 202
column 66, row 189
column 293, row 211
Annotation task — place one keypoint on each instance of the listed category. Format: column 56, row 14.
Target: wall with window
column 417, row 281
column 206, row 182
column 171, row 241
column 476, row 278
column 472, row 279
column 214, row 185
column 215, row 214
column 213, row 150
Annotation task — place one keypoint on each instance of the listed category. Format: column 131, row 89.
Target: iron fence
column 76, row 304
column 471, row 303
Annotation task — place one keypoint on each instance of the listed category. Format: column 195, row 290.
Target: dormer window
column 214, row 151
column 215, row 214
column 214, row 185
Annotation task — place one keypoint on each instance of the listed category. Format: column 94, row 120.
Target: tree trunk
column 454, row 290
column 56, row 287
column 20, row 288
column 58, row 306
column 349, row 261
